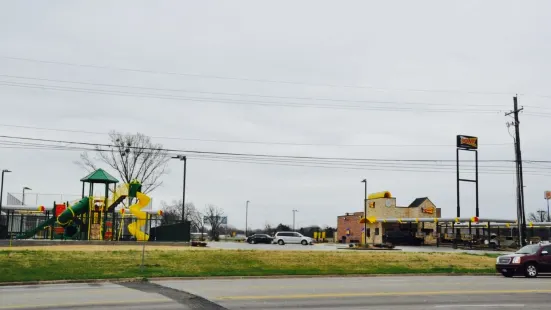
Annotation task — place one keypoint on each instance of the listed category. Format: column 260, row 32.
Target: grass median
column 46, row 264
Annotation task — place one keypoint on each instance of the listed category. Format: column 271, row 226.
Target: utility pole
column 365, row 211
column 23, row 195
column 2, row 192
column 542, row 215
column 547, row 196
column 520, row 181
column 548, row 216
column 294, row 211
column 246, row 217
column 183, row 158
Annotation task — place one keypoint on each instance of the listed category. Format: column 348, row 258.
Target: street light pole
column 365, row 211
column 246, row 218
column 2, row 189
column 294, row 211
column 184, row 158
column 548, row 216
column 23, row 198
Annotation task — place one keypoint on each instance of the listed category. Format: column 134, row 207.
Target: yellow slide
column 136, row 210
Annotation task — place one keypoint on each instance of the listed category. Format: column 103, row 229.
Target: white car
column 292, row 237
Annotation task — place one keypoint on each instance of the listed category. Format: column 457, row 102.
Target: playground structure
column 91, row 217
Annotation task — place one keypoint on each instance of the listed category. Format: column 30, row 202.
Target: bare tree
column 214, row 216
column 172, row 213
column 538, row 216
column 268, row 229
column 133, row 156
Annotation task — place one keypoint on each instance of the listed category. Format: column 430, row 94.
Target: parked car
column 401, row 238
column 259, row 238
column 284, row 237
column 240, row 237
column 529, row 261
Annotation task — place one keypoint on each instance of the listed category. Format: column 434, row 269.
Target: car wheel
column 304, row 242
column 530, row 270
column 280, row 242
column 253, row 241
column 508, row 273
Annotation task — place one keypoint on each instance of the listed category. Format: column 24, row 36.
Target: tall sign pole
column 466, row 143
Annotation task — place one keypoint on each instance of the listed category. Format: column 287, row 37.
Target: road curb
column 124, row 280
column 119, row 280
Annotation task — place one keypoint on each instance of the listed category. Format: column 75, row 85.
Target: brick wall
column 351, row 222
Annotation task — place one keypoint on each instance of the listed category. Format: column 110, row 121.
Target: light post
column 2, row 189
column 365, row 211
column 182, row 157
column 246, row 217
column 294, row 211
column 23, row 198
column 547, row 196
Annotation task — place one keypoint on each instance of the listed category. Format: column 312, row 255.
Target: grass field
column 91, row 262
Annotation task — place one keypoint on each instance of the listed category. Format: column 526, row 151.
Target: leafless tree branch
column 214, row 217
column 132, row 156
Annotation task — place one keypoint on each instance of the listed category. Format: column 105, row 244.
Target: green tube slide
column 34, row 231
column 64, row 219
column 77, row 209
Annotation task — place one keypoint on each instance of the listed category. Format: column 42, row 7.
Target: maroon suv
column 528, row 261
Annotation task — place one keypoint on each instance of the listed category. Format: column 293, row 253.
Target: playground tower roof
column 99, row 176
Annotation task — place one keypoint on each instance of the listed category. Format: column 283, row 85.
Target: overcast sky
column 382, row 56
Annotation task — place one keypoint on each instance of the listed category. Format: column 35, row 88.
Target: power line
column 248, row 94
column 241, row 102
column 103, row 67
column 377, row 166
column 250, row 142
column 313, row 164
column 257, row 155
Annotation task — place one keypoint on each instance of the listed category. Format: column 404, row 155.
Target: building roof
column 417, row 202
column 99, row 176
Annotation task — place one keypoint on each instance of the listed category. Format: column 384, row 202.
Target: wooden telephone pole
column 520, row 180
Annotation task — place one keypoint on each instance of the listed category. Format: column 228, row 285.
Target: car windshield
column 529, row 249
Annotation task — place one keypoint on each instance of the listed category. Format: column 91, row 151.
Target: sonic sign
column 467, row 142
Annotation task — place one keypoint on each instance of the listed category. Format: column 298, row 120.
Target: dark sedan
column 259, row 238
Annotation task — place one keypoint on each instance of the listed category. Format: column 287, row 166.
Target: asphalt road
column 411, row 292
column 430, row 292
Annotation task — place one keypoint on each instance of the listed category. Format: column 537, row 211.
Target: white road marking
column 480, row 306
